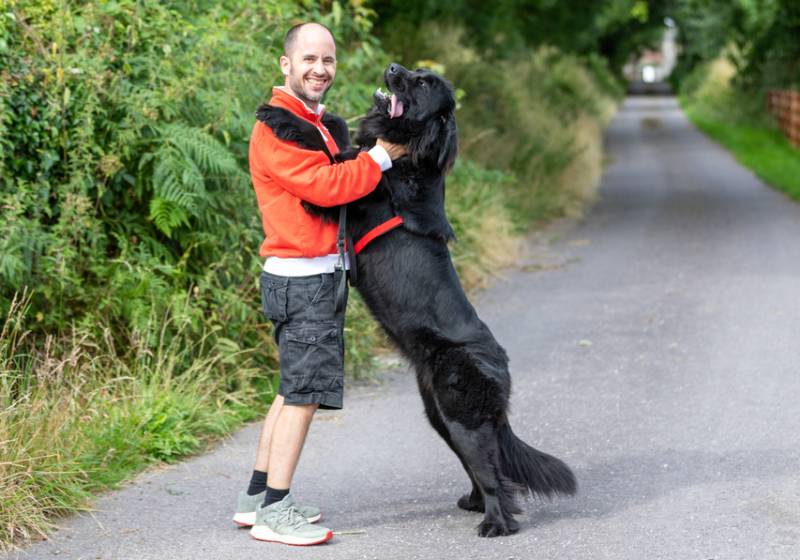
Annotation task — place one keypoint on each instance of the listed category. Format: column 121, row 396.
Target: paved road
column 654, row 348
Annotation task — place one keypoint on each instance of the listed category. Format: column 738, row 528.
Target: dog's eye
column 422, row 83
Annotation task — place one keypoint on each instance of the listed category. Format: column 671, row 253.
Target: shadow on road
column 630, row 481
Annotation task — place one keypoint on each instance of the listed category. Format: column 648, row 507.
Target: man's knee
column 301, row 409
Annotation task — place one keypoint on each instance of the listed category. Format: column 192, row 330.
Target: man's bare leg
column 279, row 520
column 262, row 455
column 288, row 437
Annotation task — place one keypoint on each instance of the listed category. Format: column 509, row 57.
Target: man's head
column 309, row 61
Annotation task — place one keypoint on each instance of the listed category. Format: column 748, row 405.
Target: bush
column 124, row 158
column 477, row 208
column 518, row 114
column 710, row 89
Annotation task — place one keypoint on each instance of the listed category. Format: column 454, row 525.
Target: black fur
column 287, row 126
column 408, row 281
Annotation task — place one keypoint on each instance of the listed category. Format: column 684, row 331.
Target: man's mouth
column 395, row 108
column 317, row 83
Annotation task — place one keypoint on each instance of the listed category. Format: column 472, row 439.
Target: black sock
column 258, row 483
column 274, row 495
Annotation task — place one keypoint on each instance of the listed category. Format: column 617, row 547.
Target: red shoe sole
column 326, row 538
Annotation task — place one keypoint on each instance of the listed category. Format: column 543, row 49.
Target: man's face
column 311, row 64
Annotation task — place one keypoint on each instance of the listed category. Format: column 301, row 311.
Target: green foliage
column 738, row 120
column 478, row 208
column 616, row 29
column 125, row 189
column 766, row 151
column 517, row 114
column 759, row 37
column 733, row 52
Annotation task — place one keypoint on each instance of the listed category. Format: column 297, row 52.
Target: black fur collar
column 288, row 126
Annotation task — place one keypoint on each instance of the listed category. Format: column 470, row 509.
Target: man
column 297, row 285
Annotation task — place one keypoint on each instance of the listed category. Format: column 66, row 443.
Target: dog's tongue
column 396, row 108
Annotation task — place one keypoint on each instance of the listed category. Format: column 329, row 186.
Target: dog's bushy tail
column 543, row 474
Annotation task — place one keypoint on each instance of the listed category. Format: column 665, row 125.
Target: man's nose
column 319, row 66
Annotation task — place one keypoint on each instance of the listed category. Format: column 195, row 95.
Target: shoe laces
column 292, row 517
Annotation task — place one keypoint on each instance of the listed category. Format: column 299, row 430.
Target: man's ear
column 285, row 64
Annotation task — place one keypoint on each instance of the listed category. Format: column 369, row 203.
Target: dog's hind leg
column 472, row 405
column 473, row 501
column 481, row 452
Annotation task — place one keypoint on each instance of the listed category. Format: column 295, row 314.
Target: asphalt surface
column 654, row 347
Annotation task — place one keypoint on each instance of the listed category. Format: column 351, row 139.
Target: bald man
column 297, row 282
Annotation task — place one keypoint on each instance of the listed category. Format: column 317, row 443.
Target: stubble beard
column 308, row 97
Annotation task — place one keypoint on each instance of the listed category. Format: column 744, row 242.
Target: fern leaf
column 167, row 215
column 177, row 180
column 210, row 155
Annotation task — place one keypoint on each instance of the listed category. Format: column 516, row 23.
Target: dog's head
column 419, row 111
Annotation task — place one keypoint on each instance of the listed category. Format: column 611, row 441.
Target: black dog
column 408, row 281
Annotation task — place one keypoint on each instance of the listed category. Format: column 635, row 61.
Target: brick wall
column 784, row 104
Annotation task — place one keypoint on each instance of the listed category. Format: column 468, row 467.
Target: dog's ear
column 438, row 142
column 448, row 149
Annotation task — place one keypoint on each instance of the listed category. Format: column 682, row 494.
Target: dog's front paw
column 497, row 527
column 471, row 502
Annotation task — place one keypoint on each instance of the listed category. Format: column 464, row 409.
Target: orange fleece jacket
column 284, row 175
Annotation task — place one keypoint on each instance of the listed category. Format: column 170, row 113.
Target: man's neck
column 313, row 107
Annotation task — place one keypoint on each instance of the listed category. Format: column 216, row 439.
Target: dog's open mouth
column 395, row 108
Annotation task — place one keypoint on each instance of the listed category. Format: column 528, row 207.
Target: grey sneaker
column 246, row 509
column 281, row 522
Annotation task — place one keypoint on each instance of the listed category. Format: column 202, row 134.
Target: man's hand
column 394, row 150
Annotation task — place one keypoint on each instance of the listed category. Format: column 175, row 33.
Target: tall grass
column 486, row 239
column 80, row 414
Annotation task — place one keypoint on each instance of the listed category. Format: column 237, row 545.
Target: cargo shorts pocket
column 312, row 360
column 274, row 297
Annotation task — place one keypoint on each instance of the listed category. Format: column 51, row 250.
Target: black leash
column 352, row 274
column 342, row 244
column 339, row 272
